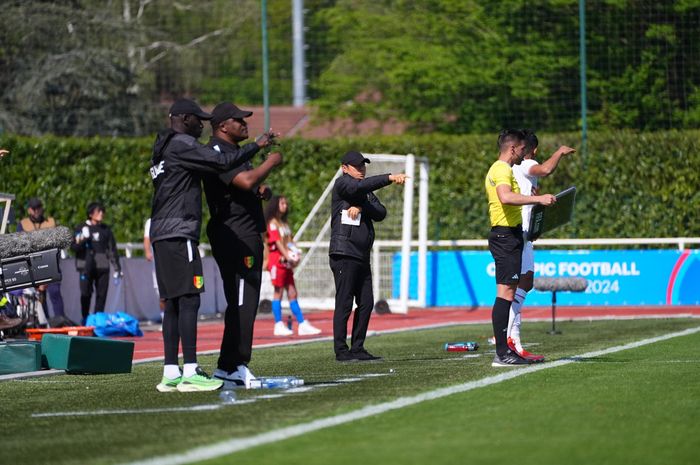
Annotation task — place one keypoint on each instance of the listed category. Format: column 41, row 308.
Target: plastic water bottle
column 227, row 397
column 276, row 382
column 461, row 346
column 289, row 322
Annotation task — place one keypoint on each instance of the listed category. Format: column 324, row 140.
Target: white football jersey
column 527, row 183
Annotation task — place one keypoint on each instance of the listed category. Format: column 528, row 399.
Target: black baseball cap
column 354, row 158
column 186, row 106
column 34, row 202
column 226, row 110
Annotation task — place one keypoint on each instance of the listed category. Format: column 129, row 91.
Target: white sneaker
column 282, row 330
column 307, row 329
column 242, row 377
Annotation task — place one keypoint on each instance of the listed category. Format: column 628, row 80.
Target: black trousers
column 100, row 280
column 240, row 263
column 353, row 282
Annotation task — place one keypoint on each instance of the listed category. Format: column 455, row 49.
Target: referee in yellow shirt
column 506, row 236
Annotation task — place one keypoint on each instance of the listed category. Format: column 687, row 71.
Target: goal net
column 403, row 233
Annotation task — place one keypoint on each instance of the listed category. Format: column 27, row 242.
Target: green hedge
column 630, row 184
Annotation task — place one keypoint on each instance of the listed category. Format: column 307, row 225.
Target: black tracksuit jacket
column 177, row 165
column 356, row 241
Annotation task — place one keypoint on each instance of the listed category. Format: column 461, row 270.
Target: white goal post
column 393, row 235
column 5, row 199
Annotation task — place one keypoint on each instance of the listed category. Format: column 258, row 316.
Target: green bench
column 79, row 354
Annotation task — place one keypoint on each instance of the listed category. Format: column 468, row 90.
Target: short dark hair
column 531, row 141
column 95, row 206
column 509, row 136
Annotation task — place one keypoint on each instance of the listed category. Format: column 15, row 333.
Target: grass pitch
column 635, row 406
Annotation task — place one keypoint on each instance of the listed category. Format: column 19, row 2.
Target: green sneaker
column 169, row 385
column 200, row 381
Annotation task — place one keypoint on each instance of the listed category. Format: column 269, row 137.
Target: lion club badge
column 198, row 282
column 249, row 261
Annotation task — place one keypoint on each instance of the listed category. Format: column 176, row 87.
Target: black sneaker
column 345, row 356
column 510, row 359
column 363, row 356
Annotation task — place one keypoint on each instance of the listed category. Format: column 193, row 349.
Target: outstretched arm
column 548, row 167
column 351, row 187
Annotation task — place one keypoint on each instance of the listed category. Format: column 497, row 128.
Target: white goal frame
column 7, row 200
column 406, row 242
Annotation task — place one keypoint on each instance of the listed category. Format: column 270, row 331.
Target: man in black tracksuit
column 353, row 209
column 177, row 165
column 95, row 249
column 235, row 234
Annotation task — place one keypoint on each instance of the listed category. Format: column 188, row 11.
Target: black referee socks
column 499, row 320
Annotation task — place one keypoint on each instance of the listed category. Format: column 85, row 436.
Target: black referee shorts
column 178, row 267
column 506, row 246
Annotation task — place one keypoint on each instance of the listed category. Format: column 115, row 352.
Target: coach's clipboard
column 544, row 219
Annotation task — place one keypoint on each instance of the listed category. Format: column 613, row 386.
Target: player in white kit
column 527, row 175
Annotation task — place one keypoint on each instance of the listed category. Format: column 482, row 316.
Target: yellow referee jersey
column 501, row 215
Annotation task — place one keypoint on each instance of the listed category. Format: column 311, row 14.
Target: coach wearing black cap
column 354, row 207
column 235, row 234
column 177, row 165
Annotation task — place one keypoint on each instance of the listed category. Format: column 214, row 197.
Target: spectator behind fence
column 95, row 248
column 283, row 256
column 35, row 221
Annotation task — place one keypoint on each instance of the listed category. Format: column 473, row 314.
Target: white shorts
column 528, row 262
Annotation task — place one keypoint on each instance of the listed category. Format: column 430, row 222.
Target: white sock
column 189, row 369
column 171, row 371
column 515, row 318
column 511, row 318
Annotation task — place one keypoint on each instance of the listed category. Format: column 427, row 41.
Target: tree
column 480, row 65
column 94, row 67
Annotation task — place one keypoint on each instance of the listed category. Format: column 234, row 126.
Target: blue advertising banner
column 615, row 277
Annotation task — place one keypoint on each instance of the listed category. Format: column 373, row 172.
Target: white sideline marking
column 235, row 445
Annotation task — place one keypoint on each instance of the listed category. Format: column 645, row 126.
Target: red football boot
column 524, row 353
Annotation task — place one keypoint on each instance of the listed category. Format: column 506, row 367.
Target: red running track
column 150, row 346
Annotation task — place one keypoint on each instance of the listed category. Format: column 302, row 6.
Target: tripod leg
column 554, row 314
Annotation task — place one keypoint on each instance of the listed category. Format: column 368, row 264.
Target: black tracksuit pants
column 100, row 280
column 240, row 263
column 353, row 282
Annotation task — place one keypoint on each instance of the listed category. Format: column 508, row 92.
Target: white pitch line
column 235, row 445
